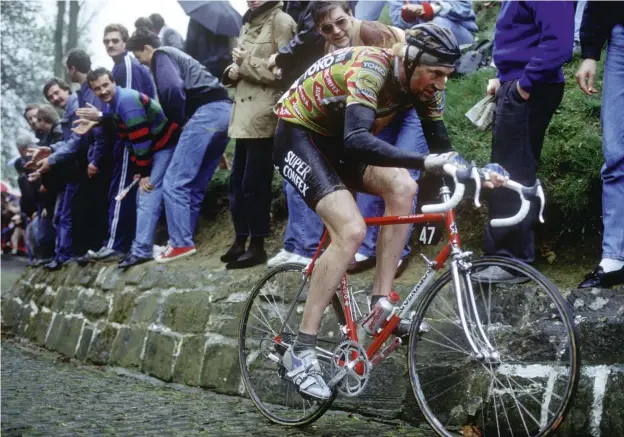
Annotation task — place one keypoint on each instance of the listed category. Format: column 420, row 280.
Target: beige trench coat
column 258, row 89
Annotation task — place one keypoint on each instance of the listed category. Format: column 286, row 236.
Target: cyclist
column 325, row 146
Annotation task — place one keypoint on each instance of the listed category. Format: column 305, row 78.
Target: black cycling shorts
column 314, row 164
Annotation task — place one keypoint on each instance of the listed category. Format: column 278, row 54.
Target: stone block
column 94, row 306
column 188, row 365
column 40, row 325
column 612, row 418
column 221, row 370
column 135, row 276
column 127, row 347
column 65, row 300
column 54, row 331
column 11, row 313
column 22, row 289
column 123, row 306
column 112, row 279
column 68, row 335
column 146, row 309
column 86, row 276
column 385, row 392
column 47, row 299
column 158, row 358
column 152, row 278
column 187, row 312
column 179, row 279
column 101, row 346
column 85, row 341
column 601, row 341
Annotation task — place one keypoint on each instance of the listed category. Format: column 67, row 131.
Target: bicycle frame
column 452, row 248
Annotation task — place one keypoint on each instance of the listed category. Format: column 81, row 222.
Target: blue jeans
column 149, row 205
column 194, row 161
column 368, row 10
column 304, row 228
column 613, row 147
column 405, row 132
column 578, row 19
column 463, row 35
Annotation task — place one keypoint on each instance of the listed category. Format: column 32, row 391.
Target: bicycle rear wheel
column 528, row 389
column 262, row 343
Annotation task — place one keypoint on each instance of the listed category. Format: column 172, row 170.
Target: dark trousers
column 517, row 140
column 90, row 212
column 250, row 186
column 121, row 213
column 63, row 217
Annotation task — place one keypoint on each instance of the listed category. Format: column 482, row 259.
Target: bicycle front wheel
column 269, row 325
column 524, row 384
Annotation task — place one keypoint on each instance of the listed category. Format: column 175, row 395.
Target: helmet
column 429, row 44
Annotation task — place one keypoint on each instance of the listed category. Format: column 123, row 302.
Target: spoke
column 441, row 378
column 504, row 409
column 265, row 321
column 259, row 329
column 449, row 340
column 522, row 387
column 274, row 305
column 441, row 393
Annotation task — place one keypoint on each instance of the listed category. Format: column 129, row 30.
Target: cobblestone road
column 44, row 396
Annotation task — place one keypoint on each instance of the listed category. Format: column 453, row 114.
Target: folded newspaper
column 482, row 114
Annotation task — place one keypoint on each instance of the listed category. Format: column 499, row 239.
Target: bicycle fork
column 469, row 314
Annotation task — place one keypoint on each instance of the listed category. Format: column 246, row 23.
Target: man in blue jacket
column 602, row 22
column 60, row 95
column 532, row 41
column 193, row 98
column 127, row 73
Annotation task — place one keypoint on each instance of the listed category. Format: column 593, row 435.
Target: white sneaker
column 304, row 371
column 300, row 259
column 158, row 250
column 282, row 257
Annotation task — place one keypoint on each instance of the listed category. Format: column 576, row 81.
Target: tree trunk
column 72, row 29
column 58, row 39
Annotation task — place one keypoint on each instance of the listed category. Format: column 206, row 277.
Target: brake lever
column 542, row 198
column 474, row 174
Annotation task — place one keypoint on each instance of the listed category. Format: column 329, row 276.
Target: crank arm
column 341, row 374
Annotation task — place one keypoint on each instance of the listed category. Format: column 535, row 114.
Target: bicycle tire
column 560, row 306
column 269, row 409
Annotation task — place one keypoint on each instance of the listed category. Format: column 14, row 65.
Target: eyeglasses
column 340, row 23
column 112, row 40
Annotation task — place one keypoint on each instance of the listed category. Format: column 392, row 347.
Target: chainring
column 353, row 356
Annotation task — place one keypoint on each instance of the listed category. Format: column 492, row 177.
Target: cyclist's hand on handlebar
column 435, row 162
column 493, row 175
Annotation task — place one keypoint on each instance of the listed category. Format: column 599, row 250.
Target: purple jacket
column 533, row 40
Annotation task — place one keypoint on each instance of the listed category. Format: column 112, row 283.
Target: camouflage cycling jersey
column 353, row 75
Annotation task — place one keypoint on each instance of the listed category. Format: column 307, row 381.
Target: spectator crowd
column 146, row 137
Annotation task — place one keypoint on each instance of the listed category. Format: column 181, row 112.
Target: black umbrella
column 219, row 17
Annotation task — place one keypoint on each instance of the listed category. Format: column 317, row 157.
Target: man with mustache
column 127, row 73
column 150, row 138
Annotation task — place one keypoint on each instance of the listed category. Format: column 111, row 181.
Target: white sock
column 359, row 257
column 611, row 265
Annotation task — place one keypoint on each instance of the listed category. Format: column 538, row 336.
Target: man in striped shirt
column 127, row 73
column 150, row 139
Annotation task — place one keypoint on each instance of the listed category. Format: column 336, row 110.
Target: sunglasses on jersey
column 340, row 23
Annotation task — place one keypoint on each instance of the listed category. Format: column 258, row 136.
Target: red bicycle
column 484, row 358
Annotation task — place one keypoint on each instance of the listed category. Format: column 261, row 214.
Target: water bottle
column 376, row 320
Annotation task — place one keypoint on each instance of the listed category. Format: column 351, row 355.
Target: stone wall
column 180, row 324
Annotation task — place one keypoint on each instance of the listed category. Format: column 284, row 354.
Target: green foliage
column 26, row 56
